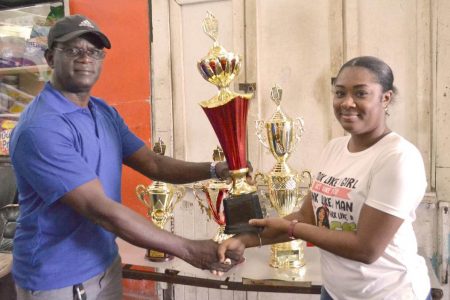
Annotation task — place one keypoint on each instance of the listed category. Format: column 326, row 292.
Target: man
column 67, row 151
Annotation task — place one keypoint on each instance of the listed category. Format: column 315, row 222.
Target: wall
column 125, row 80
column 441, row 42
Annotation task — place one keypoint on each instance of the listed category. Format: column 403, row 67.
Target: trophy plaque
column 286, row 188
column 227, row 113
column 214, row 190
column 160, row 199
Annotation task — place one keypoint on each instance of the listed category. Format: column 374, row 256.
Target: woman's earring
column 386, row 111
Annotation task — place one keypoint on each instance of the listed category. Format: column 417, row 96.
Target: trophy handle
column 306, row 175
column 265, row 196
column 263, row 178
column 265, row 202
column 179, row 194
column 260, row 133
column 196, row 189
column 299, row 128
column 141, row 193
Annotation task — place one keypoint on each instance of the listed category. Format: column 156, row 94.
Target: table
column 254, row 274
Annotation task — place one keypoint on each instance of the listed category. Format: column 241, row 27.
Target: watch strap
column 212, row 170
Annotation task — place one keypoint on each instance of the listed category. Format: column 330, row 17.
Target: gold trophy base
column 288, row 255
column 221, row 235
column 157, row 256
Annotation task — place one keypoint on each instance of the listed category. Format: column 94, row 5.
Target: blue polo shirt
column 55, row 147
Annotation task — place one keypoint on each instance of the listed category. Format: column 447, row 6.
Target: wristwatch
column 212, row 170
column 291, row 229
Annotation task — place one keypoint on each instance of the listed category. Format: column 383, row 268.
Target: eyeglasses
column 78, row 52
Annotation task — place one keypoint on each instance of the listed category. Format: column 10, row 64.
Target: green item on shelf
column 56, row 12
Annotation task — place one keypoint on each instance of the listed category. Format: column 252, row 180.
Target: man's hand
column 204, row 255
column 232, row 248
column 223, row 171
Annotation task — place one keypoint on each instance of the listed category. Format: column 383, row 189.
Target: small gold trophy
column 286, row 187
column 227, row 113
column 215, row 191
column 160, row 199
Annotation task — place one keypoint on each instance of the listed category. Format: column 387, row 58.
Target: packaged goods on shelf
column 11, row 52
column 12, row 99
column 15, row 93
column 7, row 123
column 35, row 46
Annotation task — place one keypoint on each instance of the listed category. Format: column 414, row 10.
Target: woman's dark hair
column 378, row 67
column 325, row 221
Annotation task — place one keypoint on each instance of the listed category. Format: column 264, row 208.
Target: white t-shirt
column 388, row 176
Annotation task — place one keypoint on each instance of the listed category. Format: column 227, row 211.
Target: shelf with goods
column 24, row 26
column 25, row 69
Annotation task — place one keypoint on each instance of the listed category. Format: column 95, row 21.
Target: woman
column 372, row 181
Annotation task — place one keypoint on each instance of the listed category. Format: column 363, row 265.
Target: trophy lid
column 159, row 147
column 279, row 116
column 159, row 187
column 218, row 154
column 219, row 66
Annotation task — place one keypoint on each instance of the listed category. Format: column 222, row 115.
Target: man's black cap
column 71, row 27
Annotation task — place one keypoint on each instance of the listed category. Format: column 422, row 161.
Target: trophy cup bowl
column 286, row 188
column 227, row 113
column 286, row 191
column 219, row 67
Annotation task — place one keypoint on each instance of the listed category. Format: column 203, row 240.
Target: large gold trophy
column 214, row 190
column 160, row 199
column 286, row 187
column 227, row 113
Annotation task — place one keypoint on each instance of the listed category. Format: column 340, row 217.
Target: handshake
column 207, row 254
column 219, row 258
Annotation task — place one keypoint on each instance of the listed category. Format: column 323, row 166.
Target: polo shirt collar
column 59, row 102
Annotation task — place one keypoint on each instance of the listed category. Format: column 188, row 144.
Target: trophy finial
column 276, row 94
column 159, row 147
column 210, row 26
column 218, row 154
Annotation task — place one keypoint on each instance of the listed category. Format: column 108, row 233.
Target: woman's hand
column 274, row 228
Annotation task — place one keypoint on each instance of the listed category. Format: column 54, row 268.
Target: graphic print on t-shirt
column 330, row 196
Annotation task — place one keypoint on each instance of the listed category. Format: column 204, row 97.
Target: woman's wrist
column 291, row 229
column 249, row 239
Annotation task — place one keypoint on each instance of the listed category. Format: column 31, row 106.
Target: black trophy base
column 239, row 210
